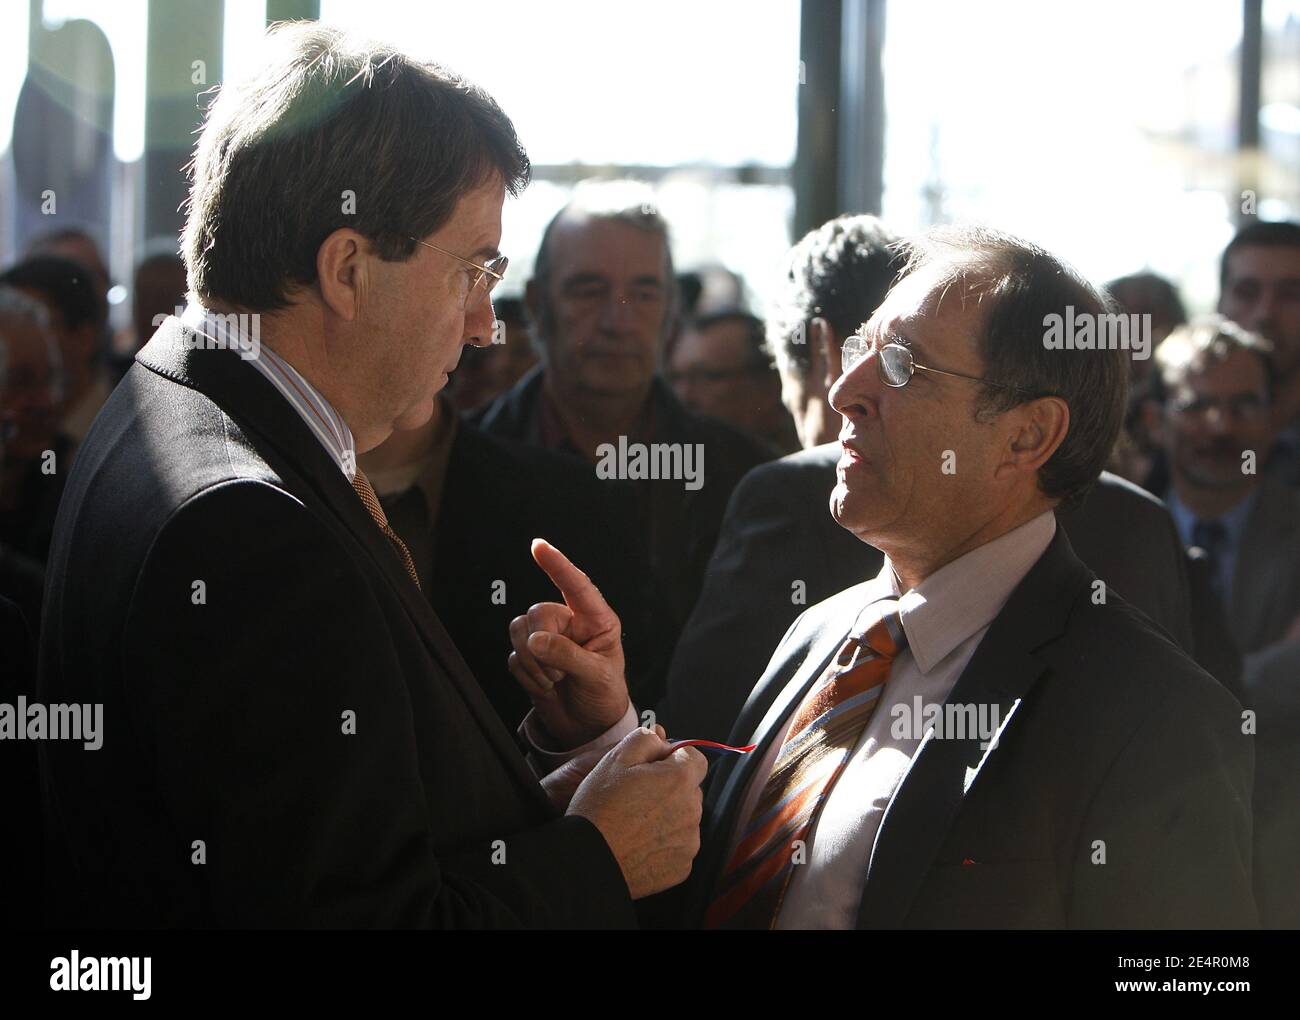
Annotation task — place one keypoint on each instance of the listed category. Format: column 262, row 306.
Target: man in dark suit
column 1216, row 383
column 781, row 550
column 290, row 737
column 974, row 738
column 603, row 302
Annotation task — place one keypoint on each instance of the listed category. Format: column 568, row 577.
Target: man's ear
column 1042, row 426
column 823, row 352
column 342, row 272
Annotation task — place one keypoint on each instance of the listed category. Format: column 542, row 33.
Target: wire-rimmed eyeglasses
column 488, row 276
column 895, row 364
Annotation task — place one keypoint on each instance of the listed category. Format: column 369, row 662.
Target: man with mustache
column 1217, row 382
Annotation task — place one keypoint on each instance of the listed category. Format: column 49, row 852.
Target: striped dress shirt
column 326, row 424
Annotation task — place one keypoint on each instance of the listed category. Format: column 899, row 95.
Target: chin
column 854, row 510
column 416, row 415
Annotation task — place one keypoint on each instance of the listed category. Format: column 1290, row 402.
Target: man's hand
column 646, row 802
column 569, row 658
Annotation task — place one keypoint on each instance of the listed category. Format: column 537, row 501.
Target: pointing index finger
column 579, row 593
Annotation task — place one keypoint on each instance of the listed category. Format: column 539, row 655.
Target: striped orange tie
column 371, row 502
column 825, row 729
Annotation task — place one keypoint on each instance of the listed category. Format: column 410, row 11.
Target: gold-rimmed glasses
column 488, row 276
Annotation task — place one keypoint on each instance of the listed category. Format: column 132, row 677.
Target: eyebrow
column 896, row 335
column 584, row 277
column 589, row 275
column 486, row 253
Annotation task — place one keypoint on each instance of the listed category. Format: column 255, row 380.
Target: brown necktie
column 371, row 502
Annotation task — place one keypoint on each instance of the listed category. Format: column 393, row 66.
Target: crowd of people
column 343, row 685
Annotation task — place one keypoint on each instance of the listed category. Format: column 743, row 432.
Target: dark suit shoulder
column 1144, row 661
column 808, row 472
column 163, row 443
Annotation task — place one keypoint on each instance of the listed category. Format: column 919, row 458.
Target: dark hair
column 66, row 284
column 755, row 332
column 1148, row 293
column 841, row 272
column 331, row 114
column 1281, row 234
column 1195, row 345
column 1020, row 285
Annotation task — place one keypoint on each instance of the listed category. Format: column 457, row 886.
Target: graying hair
column 1019, row 285
column 329, row 116
column 621, row 200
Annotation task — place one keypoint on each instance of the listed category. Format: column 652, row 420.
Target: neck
column 285, row 332
column 1209, row 504
column 591, row 419
column 407, row 446
column 914, row 565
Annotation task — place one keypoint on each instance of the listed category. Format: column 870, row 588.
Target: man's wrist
column 544, row 745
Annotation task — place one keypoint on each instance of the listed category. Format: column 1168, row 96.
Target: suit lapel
column 289, row 446
column 1002, row 672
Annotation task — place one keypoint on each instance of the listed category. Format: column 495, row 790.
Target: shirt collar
column 326, row 424
column 964, row 596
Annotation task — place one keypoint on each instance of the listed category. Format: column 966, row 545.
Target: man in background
column 719, row 366
column 86, row 383
column 29, row 481
column 603, row 303
column 1215, row 383
column 1259, row 289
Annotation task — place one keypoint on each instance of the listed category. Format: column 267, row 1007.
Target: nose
column 1218, row 420
column 1263, row 313
column 615, row 313
column 685, row 389
column 855, row 393
column 480, row 323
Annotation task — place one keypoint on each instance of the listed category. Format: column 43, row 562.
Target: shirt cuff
column 547, row 761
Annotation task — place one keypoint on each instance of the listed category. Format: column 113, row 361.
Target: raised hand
column 569, row 658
